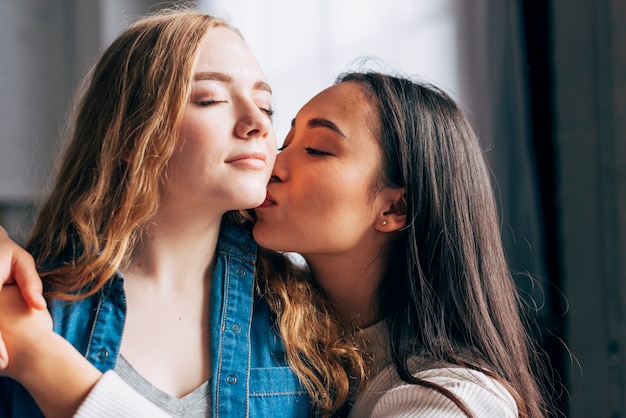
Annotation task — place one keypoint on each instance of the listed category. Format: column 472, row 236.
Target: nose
column 252, row 122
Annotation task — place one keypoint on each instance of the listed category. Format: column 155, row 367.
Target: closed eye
column 208, row 102
column 268, row 111
column 315, row 152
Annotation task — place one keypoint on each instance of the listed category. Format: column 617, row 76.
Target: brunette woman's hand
column 26, row 331
column 57, row 376
column 17, row 267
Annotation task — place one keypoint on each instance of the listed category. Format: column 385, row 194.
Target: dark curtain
column 505, row 89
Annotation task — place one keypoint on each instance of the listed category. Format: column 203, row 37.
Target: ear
column 393, row 210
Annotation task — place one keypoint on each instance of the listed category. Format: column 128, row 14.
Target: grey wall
column 34, row 85
column 46, row 47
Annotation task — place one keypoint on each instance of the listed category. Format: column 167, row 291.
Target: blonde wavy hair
column 120, row 136
column 328, row 356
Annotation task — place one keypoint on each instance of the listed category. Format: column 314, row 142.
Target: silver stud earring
column 383, row 223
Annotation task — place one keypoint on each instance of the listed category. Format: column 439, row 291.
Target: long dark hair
column 447, row 294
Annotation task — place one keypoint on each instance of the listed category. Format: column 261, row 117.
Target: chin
column 269, row 238
column 262, row 237
column 251, row 200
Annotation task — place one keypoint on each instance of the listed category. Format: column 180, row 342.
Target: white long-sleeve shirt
column 113, row 397
column 387, row 395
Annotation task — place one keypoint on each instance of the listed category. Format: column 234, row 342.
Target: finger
column 4, row 355
column 6, row 268
column 28, row 280
column 18, row 267
column 5, row 261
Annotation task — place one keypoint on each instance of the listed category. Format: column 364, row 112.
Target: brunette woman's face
column 322, row 198
column 226, row 144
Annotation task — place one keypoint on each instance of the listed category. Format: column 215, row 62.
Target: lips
column 268, row 202
column 249, row 160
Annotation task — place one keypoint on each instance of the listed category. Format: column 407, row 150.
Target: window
column 302, row 46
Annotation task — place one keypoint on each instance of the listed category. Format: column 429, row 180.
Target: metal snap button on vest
column 240, row 272
column 236, row 328
column 231, row 379
column 102, row 353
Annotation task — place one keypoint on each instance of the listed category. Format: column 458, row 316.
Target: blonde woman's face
column 322, row 196
column 226, row 144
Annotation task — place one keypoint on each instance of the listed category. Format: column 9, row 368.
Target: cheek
column 271, row 144
column 189, row 142
column 271, row 156
column 191, row 126
column 335, row 201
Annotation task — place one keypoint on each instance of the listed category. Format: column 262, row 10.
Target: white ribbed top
column 389, row 396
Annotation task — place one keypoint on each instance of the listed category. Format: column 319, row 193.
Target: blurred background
column 543, row 81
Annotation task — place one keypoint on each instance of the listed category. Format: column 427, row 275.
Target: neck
column 350, row 282
column 174, row 252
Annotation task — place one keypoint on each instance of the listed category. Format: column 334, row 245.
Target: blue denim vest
column 249, row 377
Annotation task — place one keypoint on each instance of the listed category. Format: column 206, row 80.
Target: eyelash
column 316, row 152
column 311, row 151
column 268, row 111
column 208, row 102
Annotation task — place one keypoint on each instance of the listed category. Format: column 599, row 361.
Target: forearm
column 49, row 367
column 65, row 384
column 56, row 375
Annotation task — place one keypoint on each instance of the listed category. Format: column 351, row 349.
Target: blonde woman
column 148, row 271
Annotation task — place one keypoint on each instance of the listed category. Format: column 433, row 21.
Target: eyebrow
column 217, row 76
column 322, row 123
